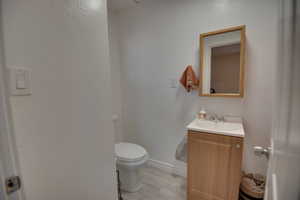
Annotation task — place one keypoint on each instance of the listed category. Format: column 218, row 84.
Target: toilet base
column 130, row 179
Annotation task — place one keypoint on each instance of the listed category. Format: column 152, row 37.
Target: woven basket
column 252, row 186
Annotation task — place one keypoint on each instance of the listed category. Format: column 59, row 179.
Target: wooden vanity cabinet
column 214, row 166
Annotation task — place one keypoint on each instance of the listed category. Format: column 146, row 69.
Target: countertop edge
column 215, row 132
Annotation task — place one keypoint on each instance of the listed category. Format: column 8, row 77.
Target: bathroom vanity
column 214, row 160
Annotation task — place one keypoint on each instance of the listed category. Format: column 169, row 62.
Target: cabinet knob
column 238, row 146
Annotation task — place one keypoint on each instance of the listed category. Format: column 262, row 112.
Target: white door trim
column 9, row 163
column 2, row 188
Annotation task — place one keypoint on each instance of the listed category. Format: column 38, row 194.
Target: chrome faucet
column 212, row 117
column 221, row 118
column 215, row 118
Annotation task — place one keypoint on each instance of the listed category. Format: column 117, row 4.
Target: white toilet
column 130, row 158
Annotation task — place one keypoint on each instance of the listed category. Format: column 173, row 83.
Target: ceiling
column 116, row 5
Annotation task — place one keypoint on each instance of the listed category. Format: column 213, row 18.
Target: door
column 283, row 180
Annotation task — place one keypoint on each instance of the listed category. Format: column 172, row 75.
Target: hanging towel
column 189, row 79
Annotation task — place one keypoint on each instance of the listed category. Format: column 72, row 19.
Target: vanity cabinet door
column 214, row 166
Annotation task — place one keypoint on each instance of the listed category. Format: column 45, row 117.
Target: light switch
column 20, row 81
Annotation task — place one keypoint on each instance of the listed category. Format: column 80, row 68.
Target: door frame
column 9, row 164
column 9, row 161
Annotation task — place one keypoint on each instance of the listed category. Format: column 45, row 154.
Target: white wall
column 159, row 38
column 114, row 50
column 64, row 132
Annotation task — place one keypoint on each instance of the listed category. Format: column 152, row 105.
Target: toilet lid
column 129, row 152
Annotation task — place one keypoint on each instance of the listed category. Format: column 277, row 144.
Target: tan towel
column 188, row 79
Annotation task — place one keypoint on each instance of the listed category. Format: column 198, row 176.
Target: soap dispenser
column 202, row 114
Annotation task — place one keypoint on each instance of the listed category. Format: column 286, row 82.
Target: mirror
column 222, row 62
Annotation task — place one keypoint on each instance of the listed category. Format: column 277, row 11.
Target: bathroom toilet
column 130, row 158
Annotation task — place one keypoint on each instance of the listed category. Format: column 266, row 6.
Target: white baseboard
column 164, row 166
column 179, row 168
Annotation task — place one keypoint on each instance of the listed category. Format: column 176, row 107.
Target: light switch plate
column 19, row 81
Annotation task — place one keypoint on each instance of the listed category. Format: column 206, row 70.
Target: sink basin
column 225, row 128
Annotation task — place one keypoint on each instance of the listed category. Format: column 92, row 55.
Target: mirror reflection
column 225, row 69
column 222, row 63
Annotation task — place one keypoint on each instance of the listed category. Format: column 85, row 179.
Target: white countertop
column 223, row 128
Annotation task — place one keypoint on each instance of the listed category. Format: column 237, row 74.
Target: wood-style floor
column 159, row 185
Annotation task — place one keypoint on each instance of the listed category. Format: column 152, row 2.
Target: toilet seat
column 128, row 152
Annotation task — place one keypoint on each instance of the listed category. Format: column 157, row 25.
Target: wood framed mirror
column 222, row 60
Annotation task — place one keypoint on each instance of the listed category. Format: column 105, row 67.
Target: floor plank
column 158, row 185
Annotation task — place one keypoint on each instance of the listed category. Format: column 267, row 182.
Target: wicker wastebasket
column 252, row 187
